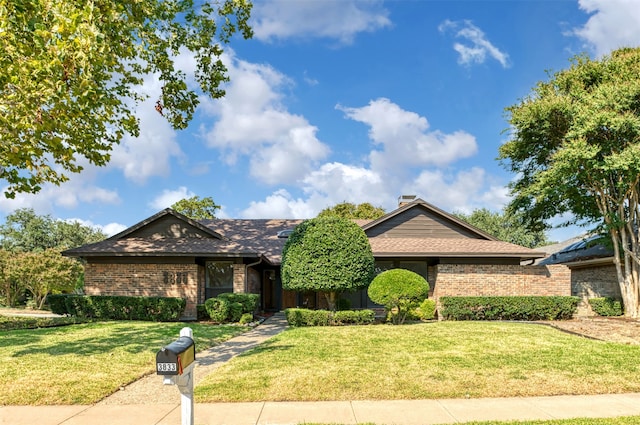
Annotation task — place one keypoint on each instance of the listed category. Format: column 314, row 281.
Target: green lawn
column 81, row 364
column 432, row 360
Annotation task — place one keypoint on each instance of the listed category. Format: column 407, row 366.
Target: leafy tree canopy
column 364, row 211
column 327, row 254
column 72, row 73
column 504, row 226
column 574, row 147
column 25, row 231
column 196, row 208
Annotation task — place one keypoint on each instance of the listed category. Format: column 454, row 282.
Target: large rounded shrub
column 327, row 254
column 398, row 290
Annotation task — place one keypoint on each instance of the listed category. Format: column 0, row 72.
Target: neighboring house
column 169, row 254
column 593, row 273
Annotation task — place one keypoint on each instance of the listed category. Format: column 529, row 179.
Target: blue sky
column 345, row 100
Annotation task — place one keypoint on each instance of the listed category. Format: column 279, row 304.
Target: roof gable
column 168, row 224
column 419, row 219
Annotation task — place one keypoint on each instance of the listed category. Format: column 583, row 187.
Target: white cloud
column 80, row 188
column 463, row 190
column 279, row 205
column 148, row 154
column 170, row 197
column 476, row 47
column 334, row 19
column 406, row 140
column 613, row 24
column 253, row 121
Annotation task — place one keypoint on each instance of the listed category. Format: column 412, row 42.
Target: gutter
column 246, row 275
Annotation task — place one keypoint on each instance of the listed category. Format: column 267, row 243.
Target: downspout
column 246, row 273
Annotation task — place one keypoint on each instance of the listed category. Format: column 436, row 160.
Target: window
column 219, row 278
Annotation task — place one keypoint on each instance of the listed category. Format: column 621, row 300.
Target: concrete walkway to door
column 150, row 390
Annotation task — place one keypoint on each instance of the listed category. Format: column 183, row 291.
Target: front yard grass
column 424, row 361
column 81, row 364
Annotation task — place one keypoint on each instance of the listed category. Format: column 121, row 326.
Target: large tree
column 574, row 147
column 196, row 207
column 25, row 231
column 504, row 226
column 72, row 73
column 329, row 255
column 364, row 211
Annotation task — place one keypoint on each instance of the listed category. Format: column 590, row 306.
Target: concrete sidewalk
column 400, row 412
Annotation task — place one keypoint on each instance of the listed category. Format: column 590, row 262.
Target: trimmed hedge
column 157, row 309
column 426, row 310
column 230, row 307
column 606, row 306
column 9, row 323
column 508, row 308
column 305, row 317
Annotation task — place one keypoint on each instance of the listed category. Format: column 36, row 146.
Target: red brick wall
column 593, row 282
column 145, row 280
column 501, row 280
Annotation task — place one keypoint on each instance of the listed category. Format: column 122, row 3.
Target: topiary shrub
column 353, row 317
column 606, row 306
column 399, row 291
column 305, row 317
column 329, row 255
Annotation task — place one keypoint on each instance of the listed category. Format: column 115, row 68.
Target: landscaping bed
column 612, row 329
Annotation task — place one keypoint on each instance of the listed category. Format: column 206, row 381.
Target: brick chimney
column 405, row 199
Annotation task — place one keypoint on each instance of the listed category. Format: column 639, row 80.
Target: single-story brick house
column 593, row 272
column 169, row 254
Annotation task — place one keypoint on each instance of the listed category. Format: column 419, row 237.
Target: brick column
column 238, row 278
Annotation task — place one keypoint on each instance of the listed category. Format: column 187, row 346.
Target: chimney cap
column 405, row 199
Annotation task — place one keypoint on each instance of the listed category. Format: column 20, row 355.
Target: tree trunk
column 331, row 300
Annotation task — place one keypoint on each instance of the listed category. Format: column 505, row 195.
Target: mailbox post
column 176, row 362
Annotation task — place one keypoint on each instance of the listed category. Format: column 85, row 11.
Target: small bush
column 305, row 317
column 246, row 319
column 508, row 308
column 606, row 306
column 427, row 310
column 57, row 303
column 249, row 301
column 219, row 309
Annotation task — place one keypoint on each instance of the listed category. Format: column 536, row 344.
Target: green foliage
column 353, row 317
column 25, row 231
column 399, row 291
column 45, row 272
column 508, row 308
column 230, row 307
column 8, row 323
column 505, row 226
column 219, row 309
column 304, row 317
column 606, row 306
column 72, row 74
column 426, row 310
column 246, row 319
column 327, row 254
column 574, row 148
column 364, row 211
column 157, row 309
column 249, row 302
column 197, row 208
